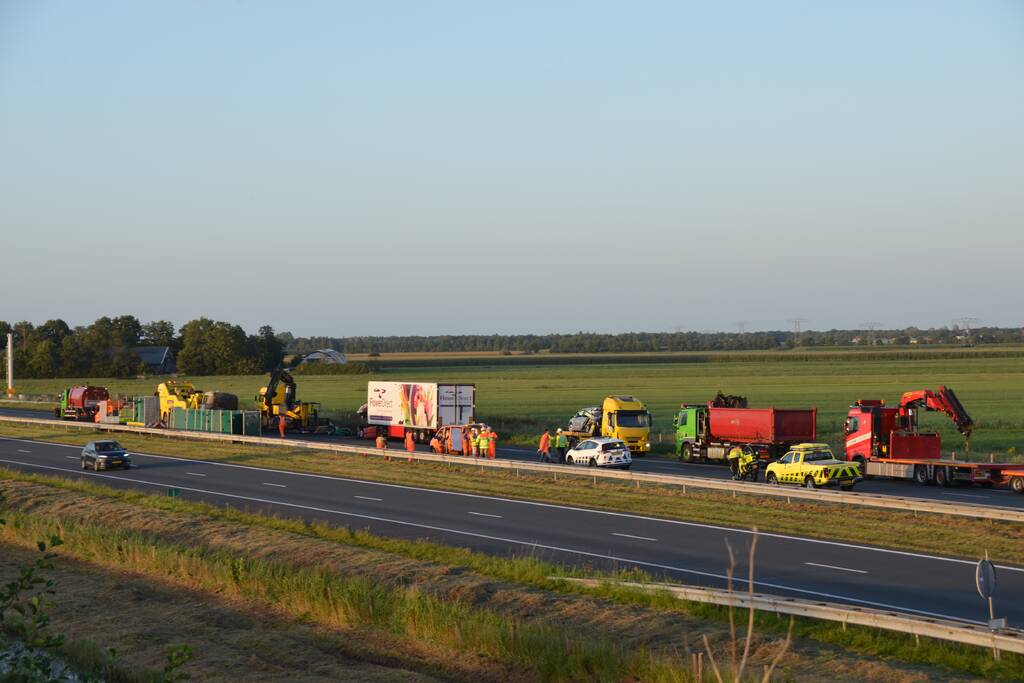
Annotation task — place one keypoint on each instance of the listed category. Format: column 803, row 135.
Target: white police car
column 601, row 451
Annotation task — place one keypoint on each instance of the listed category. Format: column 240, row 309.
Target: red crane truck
column 80, row 403
column 709, row 432
column 887, row 442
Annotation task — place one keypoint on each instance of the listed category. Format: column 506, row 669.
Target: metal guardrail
column 637, row 478
column 1008, row 640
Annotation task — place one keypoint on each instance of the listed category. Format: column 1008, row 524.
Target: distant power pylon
column 870, row 327
column 797, row 322
column 966, row 322
column 741, row 325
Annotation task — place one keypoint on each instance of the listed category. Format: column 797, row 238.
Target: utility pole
column 10, row 364
column 797, row 322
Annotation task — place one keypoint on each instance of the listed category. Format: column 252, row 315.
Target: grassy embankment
column 927, row 533
column 427, row 608
column 521, row 398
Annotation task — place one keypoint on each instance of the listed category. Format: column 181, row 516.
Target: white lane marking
column 516, row 541
column 484, row 514
column 196, row 474
column 640, row 538
column 72, row 457
column 832, row 566
column 368, row 498
column 609, row 513
column 267, row 483
column 22, row 450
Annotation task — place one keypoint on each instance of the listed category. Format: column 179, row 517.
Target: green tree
column 158, row 333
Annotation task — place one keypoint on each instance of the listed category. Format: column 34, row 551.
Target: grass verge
column 529, row 571
column 936, row 534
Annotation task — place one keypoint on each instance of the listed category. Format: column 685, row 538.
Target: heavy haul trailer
column 709, row 432
column 887, row 442
column 419, row 407
column 80, row 403
column 620, row 417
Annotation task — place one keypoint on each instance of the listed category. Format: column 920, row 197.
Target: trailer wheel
column 687, row 454
column 920, row 475
column 942, row 477
column 1017, row 484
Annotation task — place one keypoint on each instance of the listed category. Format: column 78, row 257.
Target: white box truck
column 421, row 407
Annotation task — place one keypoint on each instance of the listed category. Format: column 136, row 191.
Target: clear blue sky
column 349, row 168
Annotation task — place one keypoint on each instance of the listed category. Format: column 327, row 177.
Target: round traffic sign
column 985, row 578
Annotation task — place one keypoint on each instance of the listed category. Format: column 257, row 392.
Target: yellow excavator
column 277, row 401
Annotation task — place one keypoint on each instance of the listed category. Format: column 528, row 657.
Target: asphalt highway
column 1001, row 497
column 674, row 550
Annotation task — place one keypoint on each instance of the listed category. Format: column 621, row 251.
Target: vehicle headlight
column 647, row 445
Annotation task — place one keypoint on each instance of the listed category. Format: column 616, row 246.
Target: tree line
column 631, row 342
column 211, row 347
column 104, row 348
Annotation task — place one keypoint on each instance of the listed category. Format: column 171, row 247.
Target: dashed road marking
column 368, row 498
column 280, row 486
column 72, row 457
column 22, row 450
column 832, row 566
column 484, row 514
column 639, row 538
column 196, row 474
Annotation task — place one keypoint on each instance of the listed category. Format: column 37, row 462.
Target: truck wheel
column 847, row 487
column 863, row 467
column 85, row 465
column 772, row 479
column 1017, row 484
column 592, row 463
column 942, row 477
column 920, row 475
column 569, row 460
column 809, row 483
column 687, row 454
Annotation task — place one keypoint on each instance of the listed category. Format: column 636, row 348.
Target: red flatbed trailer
column 886, row 442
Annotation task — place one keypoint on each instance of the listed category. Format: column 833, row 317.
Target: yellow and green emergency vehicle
column 813, row 465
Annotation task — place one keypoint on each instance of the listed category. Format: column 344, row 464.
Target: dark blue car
column 105, row 455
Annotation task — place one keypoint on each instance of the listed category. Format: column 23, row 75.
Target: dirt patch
column 143, row 619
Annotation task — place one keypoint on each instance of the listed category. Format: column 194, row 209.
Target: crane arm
column 943, row 400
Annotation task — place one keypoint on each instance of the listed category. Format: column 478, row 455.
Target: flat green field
column 521, row 399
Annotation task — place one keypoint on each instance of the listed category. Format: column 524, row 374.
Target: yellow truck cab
column 627, row 418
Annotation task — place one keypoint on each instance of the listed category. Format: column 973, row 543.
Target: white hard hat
column 559, row 430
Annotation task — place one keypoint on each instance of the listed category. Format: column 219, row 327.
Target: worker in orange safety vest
column 544, row 447
column 492, row 444
column 410, row 443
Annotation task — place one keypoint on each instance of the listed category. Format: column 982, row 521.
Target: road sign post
column 985, row 580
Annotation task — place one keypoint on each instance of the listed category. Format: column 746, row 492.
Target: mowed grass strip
column 339, row 591
column 932, row 533
column 532, row 571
